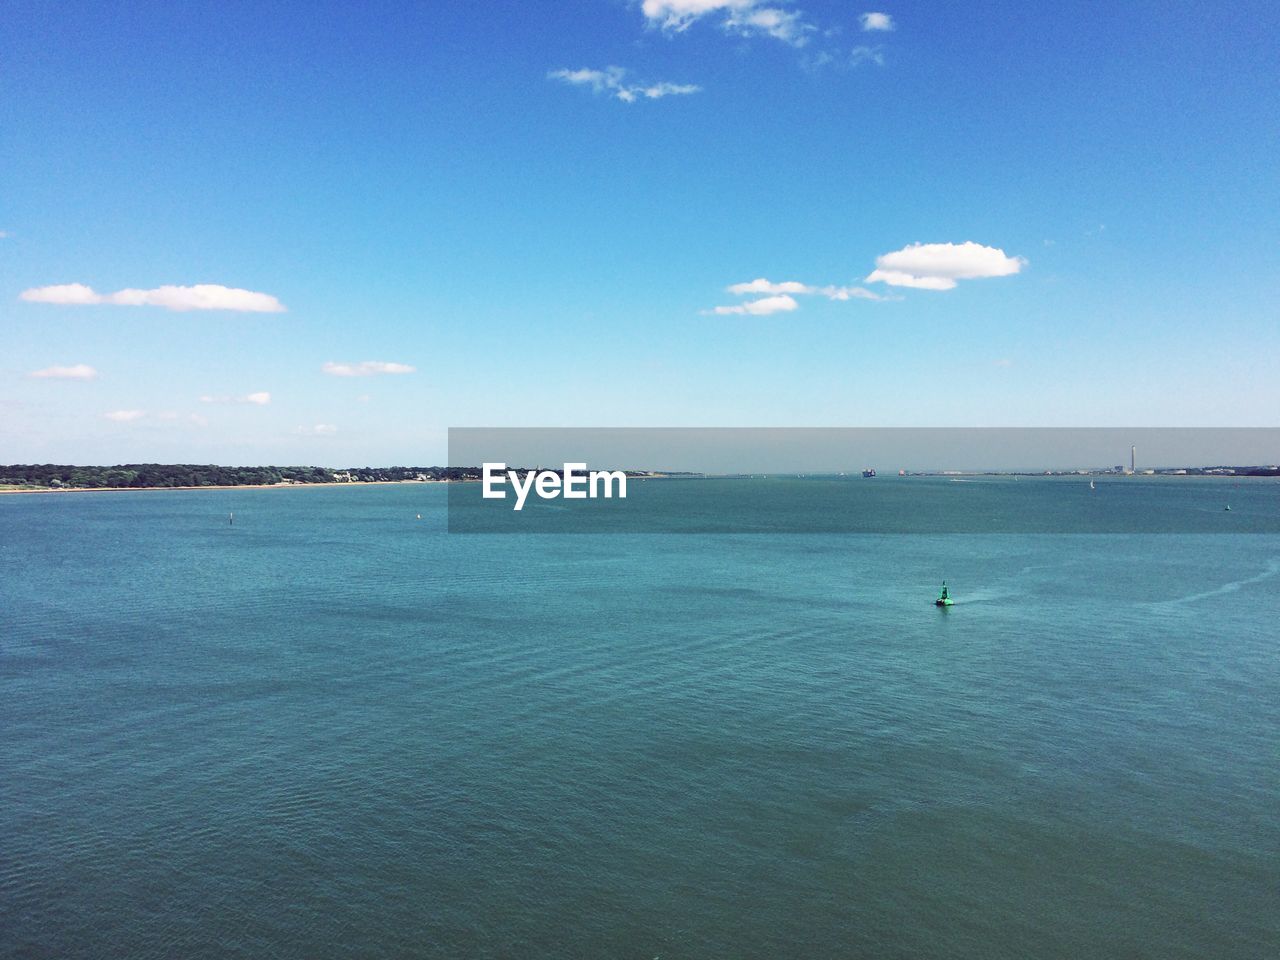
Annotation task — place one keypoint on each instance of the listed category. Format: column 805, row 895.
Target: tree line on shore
column 146, row 475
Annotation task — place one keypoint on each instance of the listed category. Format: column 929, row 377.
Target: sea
column 334, row 729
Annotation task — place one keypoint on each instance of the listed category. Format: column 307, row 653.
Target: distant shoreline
column 942, row 475
column 231, row 486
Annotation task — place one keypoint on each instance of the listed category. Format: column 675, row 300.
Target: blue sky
column 458, row 188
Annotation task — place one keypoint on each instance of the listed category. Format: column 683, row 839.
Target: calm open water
column 333, row 730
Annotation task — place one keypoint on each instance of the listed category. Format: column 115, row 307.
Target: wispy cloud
column 678, row 15
column 261, row 398
column 761, row 285
column 860, row 55
column 172, row 416
column 201, row 296
column 77, row 371
column 937, row 266
column 365, row 368
column 318, row 430
column 125, row 416
column 780, row 297
column 784, row 25
column 758, row 308
column 741, row 17
column 876, row 21
column 612, row 80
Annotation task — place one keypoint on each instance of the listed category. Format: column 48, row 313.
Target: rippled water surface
column 332, row 730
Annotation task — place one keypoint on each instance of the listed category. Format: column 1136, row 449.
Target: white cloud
column 365, row 368
column 679, row 14
column 201, row 296
column 77, row 371
column 612, row 80
column 760, row 308
column 761, row 285
column 780, row 24
column 876, row 21
column 848, row 293
column 125, row 416
column 897, row 278
column 1003, row 362
column 937, row 266
column 261, row 398
column 861, row 55
column 65, row 293
column 319, row 430
column 743, row 17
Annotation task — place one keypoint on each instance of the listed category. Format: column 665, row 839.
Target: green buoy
column 944, row 598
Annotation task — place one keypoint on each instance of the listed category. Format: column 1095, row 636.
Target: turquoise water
column 334, row 730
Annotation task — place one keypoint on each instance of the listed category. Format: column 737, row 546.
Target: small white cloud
column 937, row 266
column 198, row 420
column 876, row 21
column 760, row 308
column 848, row 293
column 861, row 55
column 201, row 296
column 64, row 293
column 817, row 61
column 612, row 80
column 897, row 278
column 319, row 430
column 77, row 371
column 1003, row 362
column 782, row 25
column 365, row 368
column 125, row 416
column 742, row 17
column 677, row 15
column 261, row 398
column 762, row 285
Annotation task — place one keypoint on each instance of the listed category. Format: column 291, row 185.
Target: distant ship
column 869, row 472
